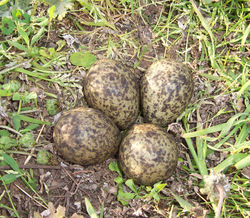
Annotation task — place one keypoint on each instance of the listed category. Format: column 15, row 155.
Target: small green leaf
column 38, row 35
column 3, row 2
column 29, row 96
column 154, row 192
column 7, row 26
column 61, row 7
column 159, row 186
column 16, row 97
column 11, row 162
column 83, row 60
column 51, row 106
column 125, row 197
column 47, row 52
column 9, row 178
column 27, row 140
column 6, row 142
column 23, row 34
column 131, row 185
column 4, row 132
column 42, row 157
column 18, row 45
column 60, row 44
column 113, row 166
column 51, row 11
column 156, row 196
column 118, row 180
column 30, row 127
column 18, row 16
column 124, row 203
column 5, row 93
column 12, row 86
column 16, row 121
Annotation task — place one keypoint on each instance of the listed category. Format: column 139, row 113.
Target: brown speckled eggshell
column 86, row 136
column 148, row 154
column 166, row 89
column 113, row 88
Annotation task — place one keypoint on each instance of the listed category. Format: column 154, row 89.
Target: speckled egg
column 86, row 136
column 113, row 88
column 166, row 90
column 148, row 154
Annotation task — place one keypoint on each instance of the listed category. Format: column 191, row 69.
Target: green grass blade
column 245, row 87
column 33, row 74
column 206, row 131
column 245, row 35
column 11, row 162
column 23, row 34
column 202, row 20
column 224, row 127
column 102, row 210
column 231, row 160
column 230, row 123
column 183, row 203
column 18, row 45
column 199, row 163
column 38, row 35
column 244, row 162
column 211, row 47
column 244, row 133
column 9, row 178
column 11, row 202
column 90, row 209
column 31, row 120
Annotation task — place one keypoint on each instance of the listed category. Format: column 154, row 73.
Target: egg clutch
column 147, row 153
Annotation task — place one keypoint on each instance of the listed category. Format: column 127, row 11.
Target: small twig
column 13, row 67
column 31, row 166
column 30, row 196
column 33, row 149
column 71, row 177
column 10, row 129
column 221, row 199
column 10, row 199
column 30, row 156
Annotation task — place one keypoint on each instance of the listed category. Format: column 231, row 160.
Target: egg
column 166, row 90
column 114, row 89
column 148, row 154
column 86, row 136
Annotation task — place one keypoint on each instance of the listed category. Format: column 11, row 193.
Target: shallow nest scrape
column 137, row 38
